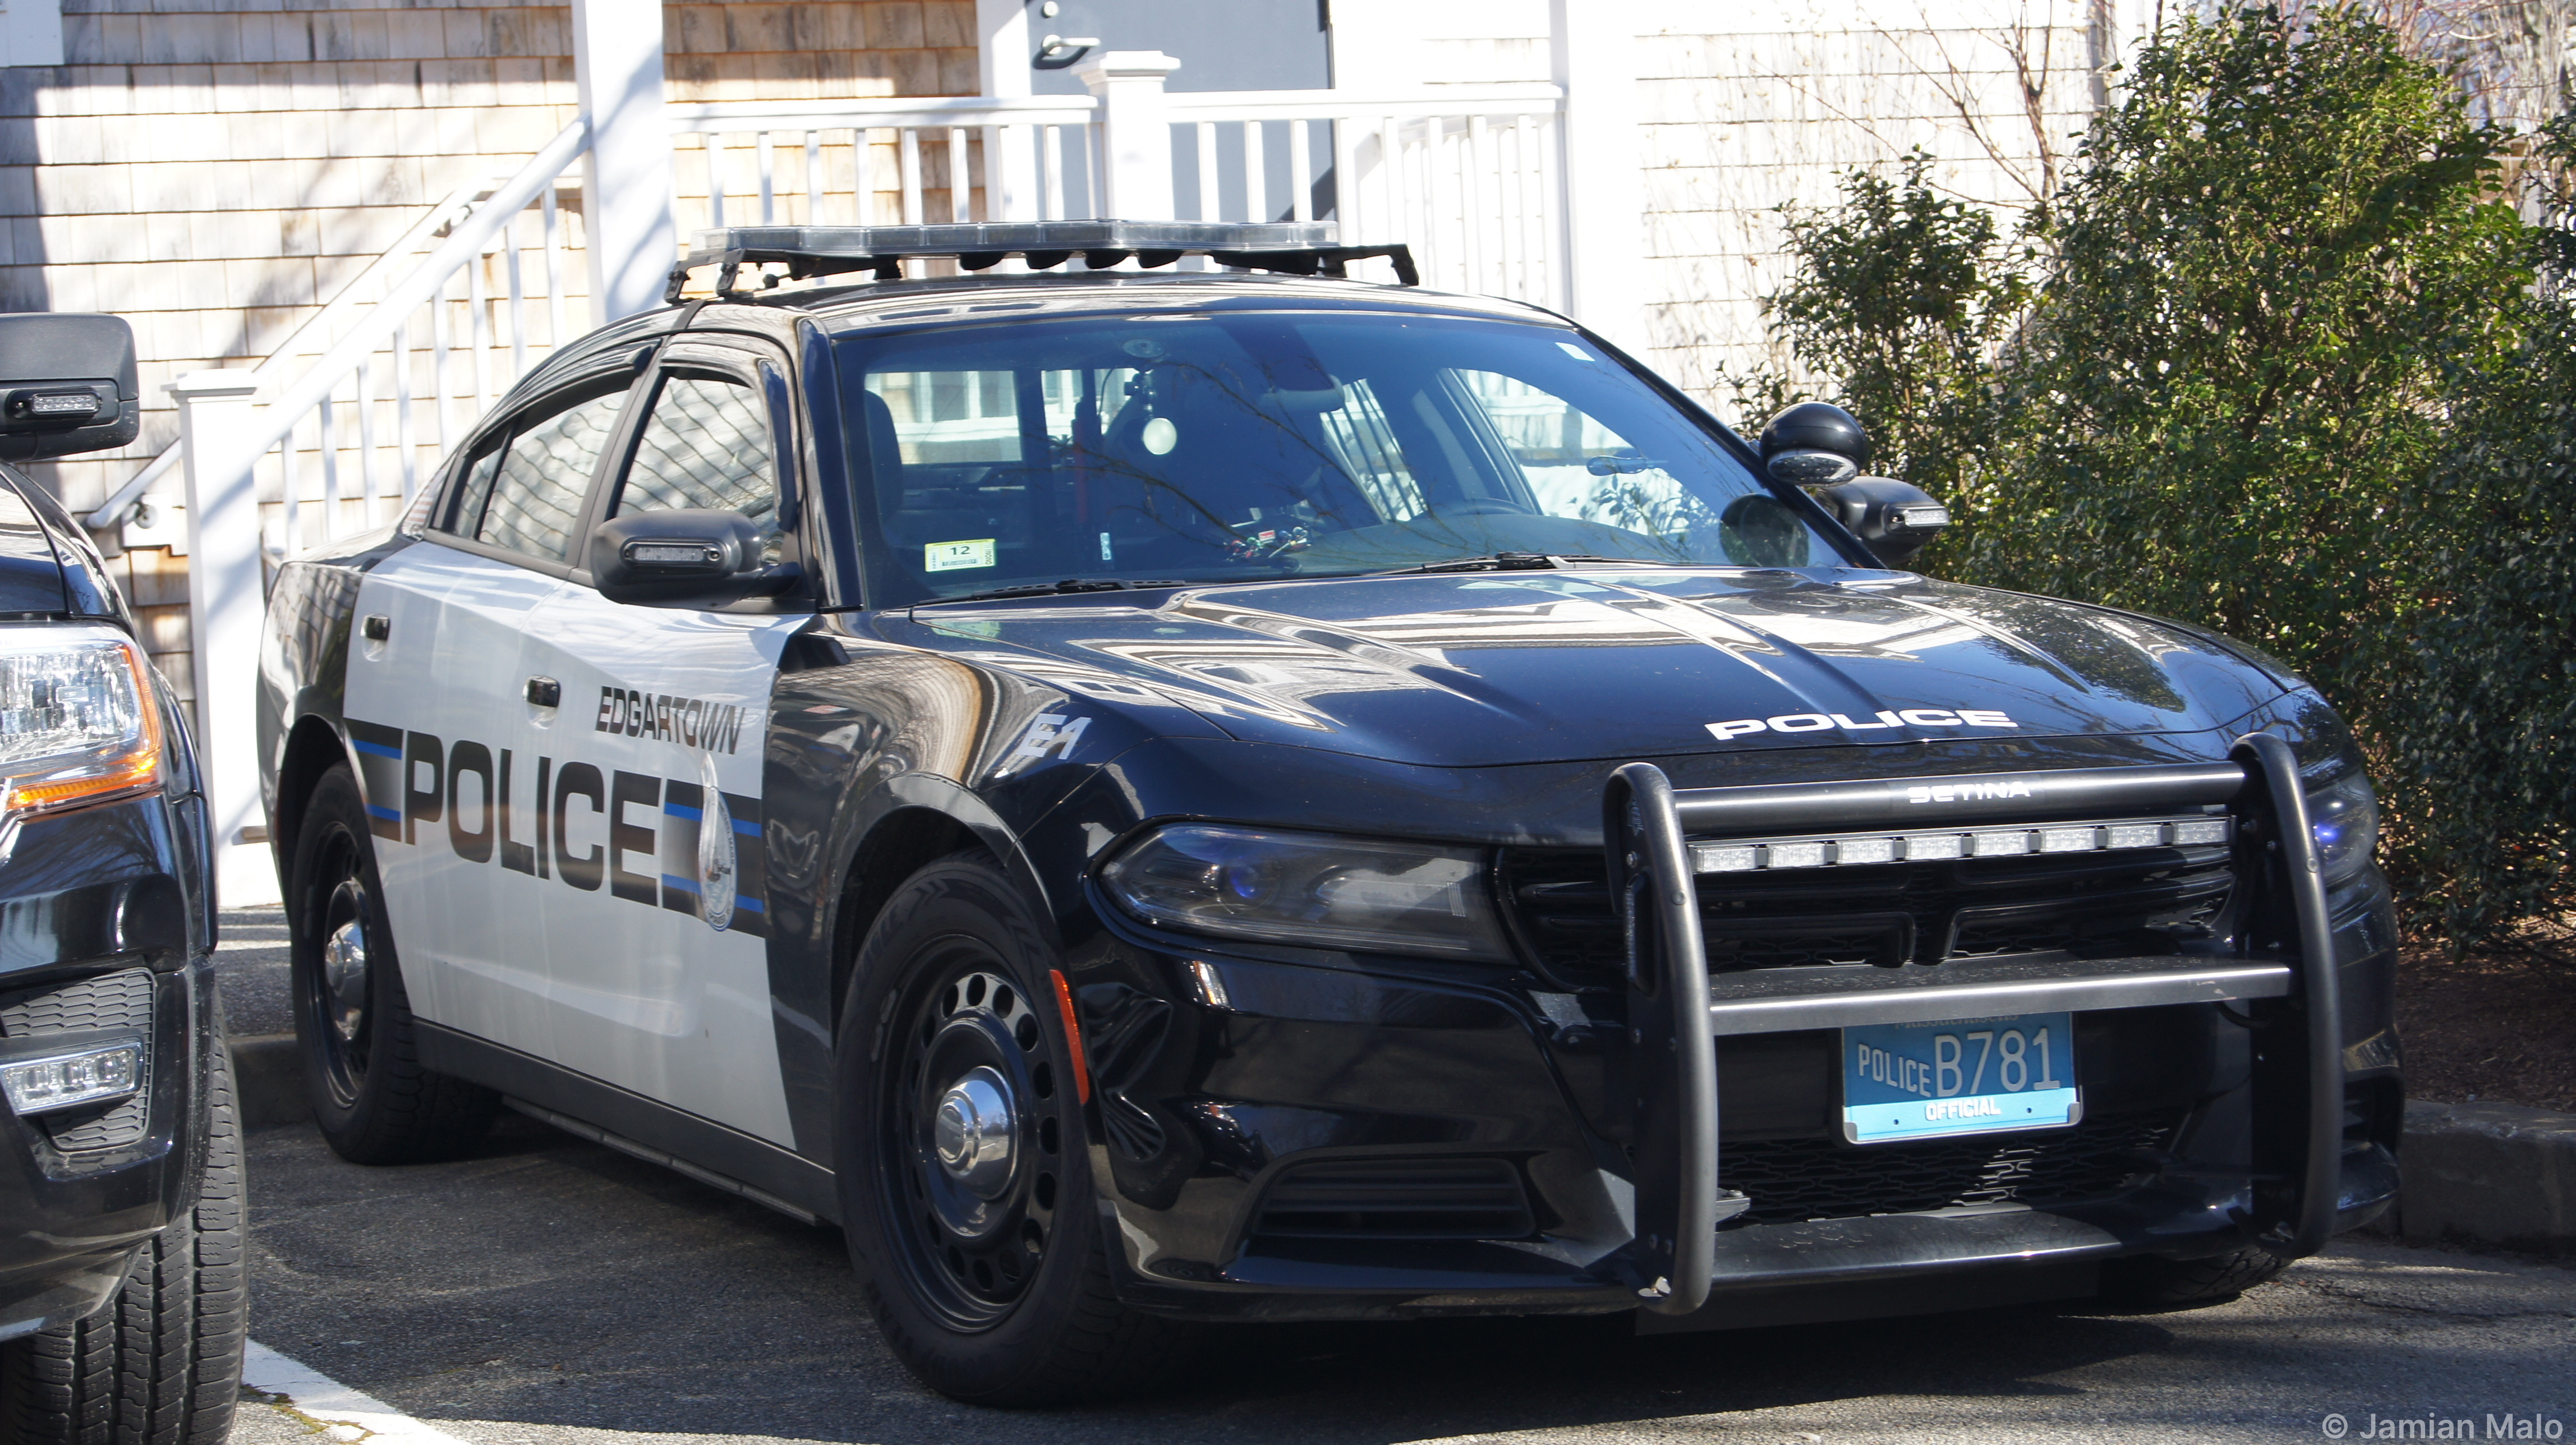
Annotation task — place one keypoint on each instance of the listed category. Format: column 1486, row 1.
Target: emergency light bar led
column 1299, row 248
column 1946, row 845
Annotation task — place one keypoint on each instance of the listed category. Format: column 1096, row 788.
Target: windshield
column 1249, row 446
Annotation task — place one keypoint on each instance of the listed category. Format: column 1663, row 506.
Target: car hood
column 1485, row 669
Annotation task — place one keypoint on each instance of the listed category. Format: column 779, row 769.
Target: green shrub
column 2285, row 373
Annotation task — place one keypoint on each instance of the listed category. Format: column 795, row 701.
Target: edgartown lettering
column 691, row 722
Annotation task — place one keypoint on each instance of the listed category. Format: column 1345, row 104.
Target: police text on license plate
column 1959, row 1076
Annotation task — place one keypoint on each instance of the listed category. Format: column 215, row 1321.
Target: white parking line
column 310, row 1392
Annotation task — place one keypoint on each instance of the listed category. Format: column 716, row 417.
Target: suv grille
column 109, row 1001
column 1790, row 1180
column 1397, row 1199
column 2099, row 905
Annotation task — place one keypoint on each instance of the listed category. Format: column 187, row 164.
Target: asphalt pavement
column 553, row 1292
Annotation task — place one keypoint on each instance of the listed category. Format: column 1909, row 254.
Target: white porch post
column 225, row 602
column 1010, row 151
column 626, row 179
column 1594, row 49
column 1136, row 131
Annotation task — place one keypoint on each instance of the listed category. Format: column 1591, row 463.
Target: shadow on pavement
column 549, row 1282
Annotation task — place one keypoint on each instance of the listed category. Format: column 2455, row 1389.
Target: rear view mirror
column 704, row 557
column 66, row 385
column 1892, row 518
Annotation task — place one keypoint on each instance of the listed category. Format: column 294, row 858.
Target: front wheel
column 964, row 1181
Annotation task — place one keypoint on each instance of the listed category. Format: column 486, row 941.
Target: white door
column 655, row 955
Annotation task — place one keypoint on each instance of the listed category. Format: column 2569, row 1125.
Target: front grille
column 121, row 1001
column 2098, row 905
column 1790, row 1180
column 1396, row 1199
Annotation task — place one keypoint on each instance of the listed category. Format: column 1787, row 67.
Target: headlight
column 1310, row 889
column 2345, row 817
column 77, row 720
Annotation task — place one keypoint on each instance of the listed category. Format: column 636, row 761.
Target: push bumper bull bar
column 1680, row 1203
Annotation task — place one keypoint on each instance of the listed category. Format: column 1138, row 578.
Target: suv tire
column 161, row 1365
column 953, row 990
column 353, row 1021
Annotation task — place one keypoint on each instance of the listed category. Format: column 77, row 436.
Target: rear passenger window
column 531, row 501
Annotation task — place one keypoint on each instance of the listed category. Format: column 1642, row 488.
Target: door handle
column 545, row 692
column 375, row 627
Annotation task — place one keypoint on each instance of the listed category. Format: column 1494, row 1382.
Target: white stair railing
column 1469, row 177
column 886, row 162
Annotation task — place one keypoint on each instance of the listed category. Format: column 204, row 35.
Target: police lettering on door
column 496, row 806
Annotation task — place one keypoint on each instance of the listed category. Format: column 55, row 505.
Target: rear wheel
column 353, row 1020
column 965, row 1182
column 161, row 1365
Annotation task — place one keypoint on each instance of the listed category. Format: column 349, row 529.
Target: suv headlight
column 78, row 723
column 2344, row 814
column 1310, row 889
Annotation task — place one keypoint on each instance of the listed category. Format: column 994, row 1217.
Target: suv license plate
column 1959, row 1076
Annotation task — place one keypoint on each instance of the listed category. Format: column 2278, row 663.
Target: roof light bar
column 1301, row 248
column 1767, row 856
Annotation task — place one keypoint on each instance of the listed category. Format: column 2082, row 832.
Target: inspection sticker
column 957, row 556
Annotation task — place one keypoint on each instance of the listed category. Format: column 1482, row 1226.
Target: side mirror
column 697, row 556
column 1814, row 444
column 66, row 385
column 1892, row 518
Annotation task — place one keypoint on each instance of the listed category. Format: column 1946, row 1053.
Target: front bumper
column 100, row 922
column 1222, row 1076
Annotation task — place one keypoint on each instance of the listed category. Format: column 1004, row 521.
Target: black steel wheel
column 353, row 1021
column 966, row 1186
column 973, row 1139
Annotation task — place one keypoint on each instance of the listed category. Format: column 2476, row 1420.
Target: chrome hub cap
column 344, row 978
column 974, row 1129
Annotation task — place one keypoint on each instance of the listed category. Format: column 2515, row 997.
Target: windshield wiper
column 1067, row 587
column 1515, row 562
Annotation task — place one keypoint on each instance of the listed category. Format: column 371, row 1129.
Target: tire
column 161, row 1365
column 353, row 1022
column 991, row 1285
column 2182, row 1283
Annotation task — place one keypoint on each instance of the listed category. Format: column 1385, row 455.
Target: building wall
column 1777, row 106
column 215, row 170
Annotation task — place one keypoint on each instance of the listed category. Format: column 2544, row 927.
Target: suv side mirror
column 66, row 385
column 1814, row 444
column 1892, row 518
column 705, row 557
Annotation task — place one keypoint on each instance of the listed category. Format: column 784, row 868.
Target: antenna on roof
column 1302, row 248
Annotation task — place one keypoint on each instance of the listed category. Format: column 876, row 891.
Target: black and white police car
column 122, row 1305
column 1152, row 796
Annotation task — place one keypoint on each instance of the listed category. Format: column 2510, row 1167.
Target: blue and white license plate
column 1959, row 1076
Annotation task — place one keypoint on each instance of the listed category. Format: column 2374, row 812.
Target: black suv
column 121, row 1294
column 1239, row 794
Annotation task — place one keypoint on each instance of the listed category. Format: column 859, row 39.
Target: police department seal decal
column 717, row 865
